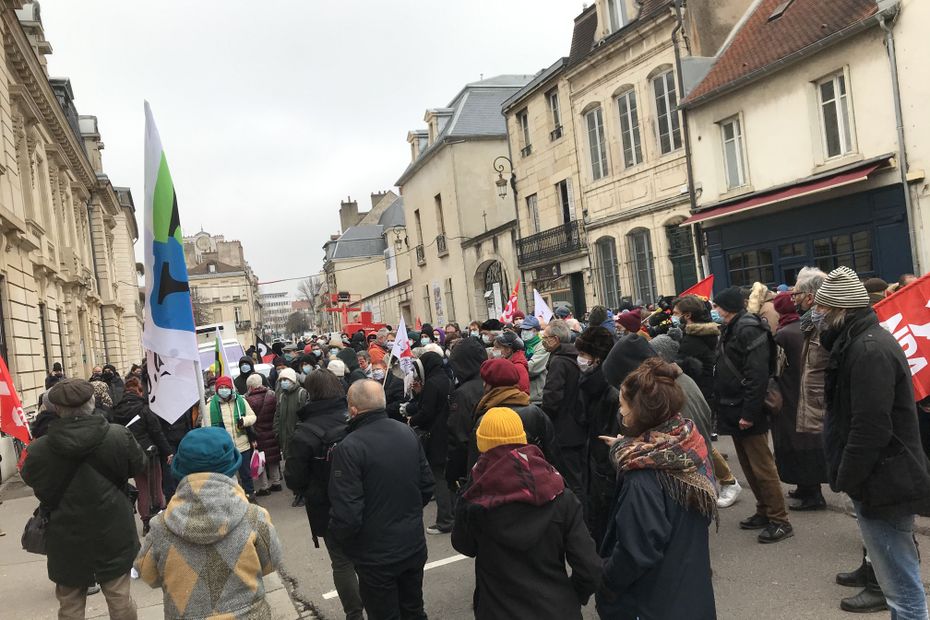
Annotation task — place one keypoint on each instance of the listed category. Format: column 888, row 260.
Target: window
column 854, row 250
column 564, row 191
column 597, row 143
column 211, row 268
column 440, row 218
column 427, row 306
column 644, row 278
column 617, row 14
column 61, row 335
column 667, row 112
column 556, row 113
column 44, row 336
column 732, row 136
column 681, row 255
column 629, row 129
column 524, row 121
column 416, row 217
column 610, row 275
column 237, row 312
column 835, row 116
column 533, row 211
column 450, row 309
column 751, row 266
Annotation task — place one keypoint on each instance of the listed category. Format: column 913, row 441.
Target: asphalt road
column 793, row 579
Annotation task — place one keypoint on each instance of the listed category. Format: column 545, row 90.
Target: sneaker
column 728, row 494
column 93, row 589
column 776, row 532
column 298, row 501
column 436, row 530
column 755, row 522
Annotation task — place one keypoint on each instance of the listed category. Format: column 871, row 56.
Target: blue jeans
column 893, row 552
column 245, row 472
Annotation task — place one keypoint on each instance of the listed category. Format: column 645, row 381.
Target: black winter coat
column 264, row 403
column 538, row 428
column 91, row 535
column 176, row 431
column 870, row 429
column 699, row 344
column 601, row 405
column 745, row 341
column 240, row 381
column 429, row 412
column 349, row 357
column 560, row 396
column 656, row 556
column 394, row 395
column 380, row 483
column 304, row 470
column 147, row 429
column 466, row 360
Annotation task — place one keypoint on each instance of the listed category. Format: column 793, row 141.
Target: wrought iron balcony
column 551, row 244
column 526, row 150
column 555, row 134
column 421, row 256
column 441, row 244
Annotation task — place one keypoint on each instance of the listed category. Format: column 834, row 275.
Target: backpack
column 323, row 463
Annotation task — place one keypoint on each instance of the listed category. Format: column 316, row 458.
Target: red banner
column 703, row 289
column 12, row 419
column 906, row 314
column 507, row 315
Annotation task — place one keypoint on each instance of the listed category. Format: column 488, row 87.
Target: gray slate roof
column 393, row 215
column 360, row 241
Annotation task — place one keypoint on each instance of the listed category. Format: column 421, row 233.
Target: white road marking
column 455, row 558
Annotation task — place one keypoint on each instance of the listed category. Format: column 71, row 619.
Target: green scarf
column 530, row 345
column 216, row 415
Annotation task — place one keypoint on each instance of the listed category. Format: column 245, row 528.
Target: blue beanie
column 208, row 449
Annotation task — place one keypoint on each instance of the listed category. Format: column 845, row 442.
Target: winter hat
column 254, row 380
column 500, row 426
column 308, row 349
column 102, row 393
column 336, row 366
column 530, row 322
column 492, row 325
column 288, row 373
column 626, row 356
column 782, row 288
column 224, row 381
column 597, row 315
column 209, row 449
column 71, row 393
column 876, row 288
column 630, row 321
column 518, row 314
column 842, row 289
column 784, row 304
column 278, row 361
column 595, row 341
column 665, row 346
column 509, row 340
column 56, row 367
column 731, row 299
column 562, row 311
column 499, row 373
column 675, row 333
column 336, row 341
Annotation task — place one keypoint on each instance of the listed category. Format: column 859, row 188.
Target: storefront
column 557, row 288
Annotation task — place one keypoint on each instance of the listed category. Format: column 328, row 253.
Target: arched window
column 609, row 273
column 495, row 289
column 681, row 254
column 641, row 262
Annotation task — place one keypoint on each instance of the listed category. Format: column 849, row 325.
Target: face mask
column 245, row 368
column 307, row 369
column 390, row 344
column 583, row 362
column 474, row 333
column 288, row 356
column 486, row 339
column 495, row 353
column 377, row 375
column 818, row 318
column 286, row 384
column 224, row 392
column 424, row 341
column 676, row 321
column 715, row 316
column 527, row 334
column 318, row 353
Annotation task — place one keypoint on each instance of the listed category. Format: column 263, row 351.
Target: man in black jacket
column 740, row 381
column 380, row 483
column 247, row 368
column 465, row 360
column 872, row 438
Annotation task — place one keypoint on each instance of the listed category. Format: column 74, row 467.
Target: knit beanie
column 208, row 449
column 784, row 304
column 731, row 299
column 337, row 367
column 666, row 347
column 595, row 341
column 224, row 381
column 597, row 315
column 842, row 289
column 630, row 321
column 499, row 373
column 500, row 426
column 626, row 356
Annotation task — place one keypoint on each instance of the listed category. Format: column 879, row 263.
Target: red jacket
column 518, row 358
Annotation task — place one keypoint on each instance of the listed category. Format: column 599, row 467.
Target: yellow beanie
column 500, row 426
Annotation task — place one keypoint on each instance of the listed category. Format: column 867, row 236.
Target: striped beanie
column 842, row 289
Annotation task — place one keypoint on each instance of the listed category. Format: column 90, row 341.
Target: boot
column 856, row 578
column 870, row 600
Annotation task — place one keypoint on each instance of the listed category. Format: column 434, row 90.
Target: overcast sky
column 272, row 112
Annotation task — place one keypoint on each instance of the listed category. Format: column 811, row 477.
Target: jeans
column 893, row 553
column 444, row 517
column 393, row 591
column 245, row 472
column 345, row 579
column 758, row 463
column 72, row 601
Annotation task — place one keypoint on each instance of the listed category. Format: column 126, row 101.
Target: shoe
column 96, row 588
column 728, row 494
column 714, row 436
column 793, row 494
column 776, row 532
column 816, row 502
column 857, row 578
column 145, row 529
column 298, row 501
column 263, row 493
column 755, row 522
column 252, row 499
column 870, row 600
column 436, row 530
column 275, row 488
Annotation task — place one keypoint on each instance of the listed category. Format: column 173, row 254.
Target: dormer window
column 616, row 14
column 211, row 268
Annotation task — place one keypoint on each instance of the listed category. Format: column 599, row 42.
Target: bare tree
column 202, row 314
column 297, row 323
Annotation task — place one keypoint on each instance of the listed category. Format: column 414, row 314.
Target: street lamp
column 501, row 182
column 399, row 233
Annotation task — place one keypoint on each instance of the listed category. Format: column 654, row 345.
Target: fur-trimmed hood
column 702, row 329
column 757, row 298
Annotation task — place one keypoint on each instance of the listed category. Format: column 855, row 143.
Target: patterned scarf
column 678, row 453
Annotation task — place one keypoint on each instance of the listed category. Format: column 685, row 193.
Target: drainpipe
column 697, row 238
column 902, row 145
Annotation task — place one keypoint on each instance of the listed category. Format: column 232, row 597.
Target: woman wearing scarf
column 656, row 555
column 229, row 410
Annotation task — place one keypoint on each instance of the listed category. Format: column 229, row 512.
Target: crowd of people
column 573, row 458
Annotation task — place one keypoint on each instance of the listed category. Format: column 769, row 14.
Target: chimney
column 348, row 213
column 376, row 198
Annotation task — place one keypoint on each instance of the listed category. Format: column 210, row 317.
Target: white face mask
column 224, row 392
column 377, row 374
column 527, row 334
column 486, row 339
column 583, row 362
column 307, row 369
column 495, row 353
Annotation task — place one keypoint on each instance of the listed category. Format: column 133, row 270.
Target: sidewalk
column 26, row 591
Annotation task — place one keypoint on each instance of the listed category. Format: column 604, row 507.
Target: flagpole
column 201, row 391
column 387, row 369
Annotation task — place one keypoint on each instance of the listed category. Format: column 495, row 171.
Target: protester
column 379, row 347
column 521, row 524
column 354, row 372
column 364, row 363
column 264, row 403
column 537, row 358
column 740, row 382
column 698, row 344
column 489, row 331
column 133, row 412
column 507, row 345
column 657, row 556
column 465, row 360
column 876, row 288
column 290, row 398
column 209, row 551
column 110, row 376
column 631, row 323
column 247, row 369
column 78, row 471
column 871, row 437
column 380, row 483
column 229, row 410
column 393, row 387
column 174, row 433
column 761, row 303
column 103, row 403
column 561, row 404
column 428, row 415
column 307, row 472
column 55, row 376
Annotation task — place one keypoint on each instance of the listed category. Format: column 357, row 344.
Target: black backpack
column 322, row 464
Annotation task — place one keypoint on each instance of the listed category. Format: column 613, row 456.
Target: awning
column 797, row 190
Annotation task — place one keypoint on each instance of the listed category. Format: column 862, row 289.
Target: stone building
column 68, row 274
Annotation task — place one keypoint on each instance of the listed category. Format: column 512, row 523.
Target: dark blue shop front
column 865, row 231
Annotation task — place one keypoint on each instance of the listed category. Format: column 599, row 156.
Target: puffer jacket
column 289, row 402
column 537, row 366
column 814, row 360
column 761, row 303
column 227, row 411
column 264, row 403
column 210, row 519
column 699, row 343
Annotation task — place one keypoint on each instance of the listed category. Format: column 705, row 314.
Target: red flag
column 418, row 325
column 12, row 419
column 507, row 316
column 703, row 289
column 906, row 314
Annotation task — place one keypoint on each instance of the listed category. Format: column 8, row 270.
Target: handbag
column 257, row 464
column 35, row 534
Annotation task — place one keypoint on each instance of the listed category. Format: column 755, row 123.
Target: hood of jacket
column 625, row 357
column 466, row 359
column 205, row 508
column 430, row 363
column 77, row 436
column 129, row 406
column 566, row 349
column 349, row 357
column 702, row 329
column 245, row 359
column 758, row 297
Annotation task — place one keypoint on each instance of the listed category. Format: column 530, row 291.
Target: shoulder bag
column 35, row 534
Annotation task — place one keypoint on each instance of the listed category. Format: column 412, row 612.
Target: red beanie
column 784, row 304
column 630, row 321
column 518, row 314
column 224, row 381
column 499, row 373
column 308, row 349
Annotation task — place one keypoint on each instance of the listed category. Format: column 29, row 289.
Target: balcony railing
column 526, row 150
column 421, row 256
column 555, row 134
column 551, row 244
column 441, row 244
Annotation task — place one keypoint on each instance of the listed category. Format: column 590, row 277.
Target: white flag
column 540, row 309
column 401, row 350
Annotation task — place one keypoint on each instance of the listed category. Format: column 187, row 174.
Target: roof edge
column 536, row 83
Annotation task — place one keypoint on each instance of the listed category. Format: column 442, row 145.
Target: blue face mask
column 245, row 368
column 715, row 316
column 318, row 353
column 224, row 392
column 286, row 384
column 676, row 320
column 424, row 341
column 307, row 369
